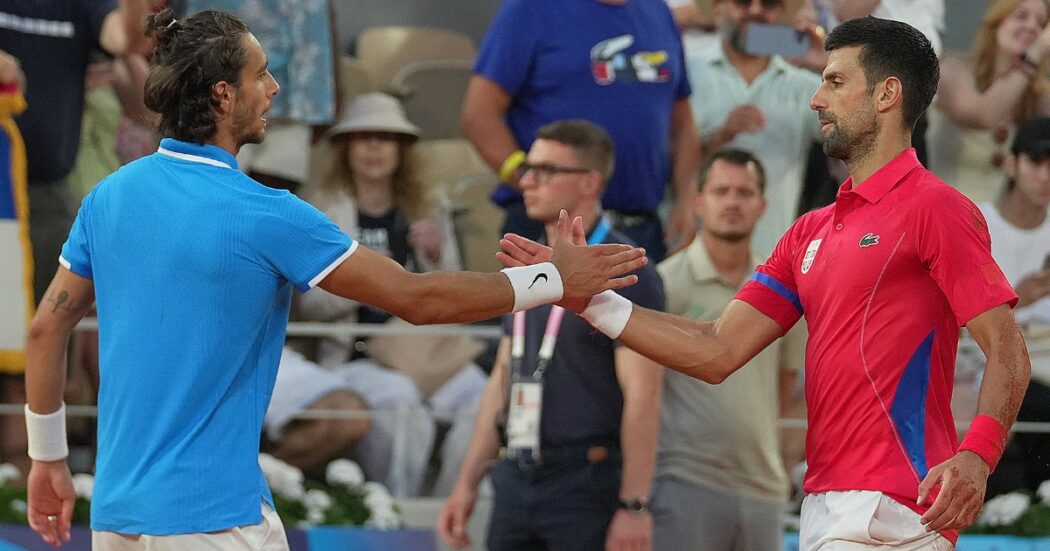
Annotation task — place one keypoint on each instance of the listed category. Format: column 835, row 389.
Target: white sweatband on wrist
column 47, row 435
column 534, row 285
column 608, row 312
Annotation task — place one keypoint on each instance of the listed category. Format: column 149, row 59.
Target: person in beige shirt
column 720, row 483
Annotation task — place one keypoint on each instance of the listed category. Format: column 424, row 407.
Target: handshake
column 572, row 274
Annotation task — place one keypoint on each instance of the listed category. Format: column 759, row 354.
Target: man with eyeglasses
column 583, row 482
column 759, row 103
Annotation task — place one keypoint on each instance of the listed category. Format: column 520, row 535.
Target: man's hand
column 681, row 226
column 586, row 270
column 10, row 69
column 452, row 521
column 51, row 495
column 962, row 480
column 630, row 532
column 1032, row 288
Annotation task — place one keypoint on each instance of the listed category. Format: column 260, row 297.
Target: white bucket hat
column 374, row 112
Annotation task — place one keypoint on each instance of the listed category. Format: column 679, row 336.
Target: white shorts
column 268, row 535
column 857, row 519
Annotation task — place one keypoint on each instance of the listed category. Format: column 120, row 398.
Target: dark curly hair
column 191, row 56
column 891, row 48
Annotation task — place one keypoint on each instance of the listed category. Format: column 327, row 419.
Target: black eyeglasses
column 543, row 172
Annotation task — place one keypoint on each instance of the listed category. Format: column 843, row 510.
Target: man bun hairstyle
column 892, row 49
column 191, row 56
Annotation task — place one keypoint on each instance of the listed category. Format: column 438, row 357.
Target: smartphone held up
column 783, row 40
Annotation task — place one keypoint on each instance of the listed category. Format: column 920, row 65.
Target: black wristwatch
column 635, row 505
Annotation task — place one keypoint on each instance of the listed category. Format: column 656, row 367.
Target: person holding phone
column 757, row 102
column 1020, row 230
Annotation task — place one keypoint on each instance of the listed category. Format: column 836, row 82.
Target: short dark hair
column 739, row 157
column 891, row 48
column 191, row 56
column 589, row 140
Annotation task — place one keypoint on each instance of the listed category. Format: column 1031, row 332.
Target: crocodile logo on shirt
column 869, row 239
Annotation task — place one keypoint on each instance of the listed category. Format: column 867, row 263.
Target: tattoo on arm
column 61, row 300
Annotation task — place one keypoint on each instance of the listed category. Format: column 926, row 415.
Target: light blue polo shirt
column 193, row 264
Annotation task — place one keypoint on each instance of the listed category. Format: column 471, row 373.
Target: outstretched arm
column 455, row 297
column 709, row 351
column 963, row 478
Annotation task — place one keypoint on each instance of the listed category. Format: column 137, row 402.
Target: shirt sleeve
column 952, row 240
column 301, row 244
column 76, row 251
column 509, row 45
column 682, row 88
column 772, row 288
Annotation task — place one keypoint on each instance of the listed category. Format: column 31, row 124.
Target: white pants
column 857, row 520
column 268, row 535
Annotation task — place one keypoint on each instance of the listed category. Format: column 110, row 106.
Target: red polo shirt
column 885, row 276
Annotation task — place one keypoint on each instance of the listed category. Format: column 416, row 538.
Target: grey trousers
column 691, row 517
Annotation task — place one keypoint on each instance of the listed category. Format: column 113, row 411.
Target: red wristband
column 986, row 438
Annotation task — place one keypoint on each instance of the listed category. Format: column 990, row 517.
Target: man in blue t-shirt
column 617, row 63
column 192, row 265
column 600, row 403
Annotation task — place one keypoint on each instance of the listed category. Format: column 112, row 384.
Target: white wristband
column 534, row 285
column 47, row 435
column 608, row 312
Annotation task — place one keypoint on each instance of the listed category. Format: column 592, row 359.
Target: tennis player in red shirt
column 885, row 276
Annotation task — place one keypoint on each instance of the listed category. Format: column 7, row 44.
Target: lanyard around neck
column 550, row 334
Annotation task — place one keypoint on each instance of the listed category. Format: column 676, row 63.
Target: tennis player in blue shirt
column 191, row 264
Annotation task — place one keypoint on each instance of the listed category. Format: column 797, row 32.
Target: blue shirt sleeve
column 509, row 45
column 299, row 242
column 76, row 252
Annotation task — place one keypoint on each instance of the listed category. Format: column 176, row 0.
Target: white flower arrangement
column 347, row 498
column 1004, row 510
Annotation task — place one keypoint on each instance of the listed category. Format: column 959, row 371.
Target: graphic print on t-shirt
column 610, row 62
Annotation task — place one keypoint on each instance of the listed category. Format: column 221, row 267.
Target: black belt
column 627, row 219
column 567, row 455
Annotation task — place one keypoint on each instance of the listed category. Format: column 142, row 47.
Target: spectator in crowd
column 757, row 102
column 371, row 192
column 1020, row 232
column 885, row 278
column 579, row 475
column 979, row 103
column 719, row 476
column 193, row 264
column 617, row 63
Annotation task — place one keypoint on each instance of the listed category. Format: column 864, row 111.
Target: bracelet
column 47, row 434
column 986, row 438
column 608, row 312
column 534, row 285
column 510, row 164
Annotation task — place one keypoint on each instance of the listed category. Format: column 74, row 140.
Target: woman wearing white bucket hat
column 371, row 192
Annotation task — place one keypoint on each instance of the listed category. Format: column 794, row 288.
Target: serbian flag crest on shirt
column 16, row 268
